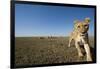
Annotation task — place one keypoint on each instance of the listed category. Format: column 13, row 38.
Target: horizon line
column 49, row 36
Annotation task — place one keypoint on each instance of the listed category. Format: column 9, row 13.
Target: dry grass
column 36, row 50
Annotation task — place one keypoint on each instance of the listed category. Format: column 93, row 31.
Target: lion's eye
column 85, row 26
column 78, row 26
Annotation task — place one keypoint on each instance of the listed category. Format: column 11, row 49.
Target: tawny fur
column 80, row 35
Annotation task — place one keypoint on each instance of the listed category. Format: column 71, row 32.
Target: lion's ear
column 87, row 20
column 76, row 21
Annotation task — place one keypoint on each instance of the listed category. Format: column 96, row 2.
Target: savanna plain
column 47, row 50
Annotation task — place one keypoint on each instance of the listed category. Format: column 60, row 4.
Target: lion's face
column 82, row 27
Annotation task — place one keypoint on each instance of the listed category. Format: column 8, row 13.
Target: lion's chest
column 81, row 39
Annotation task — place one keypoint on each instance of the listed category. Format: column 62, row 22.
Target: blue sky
column 40, row 20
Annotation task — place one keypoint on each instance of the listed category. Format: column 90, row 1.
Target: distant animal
column 42, row 38
column 80, row 36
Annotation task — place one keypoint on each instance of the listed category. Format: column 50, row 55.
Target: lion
column 80, row 36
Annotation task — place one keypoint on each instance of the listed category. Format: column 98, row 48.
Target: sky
column 46, row 20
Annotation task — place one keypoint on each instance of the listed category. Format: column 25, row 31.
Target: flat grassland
column 46, row 50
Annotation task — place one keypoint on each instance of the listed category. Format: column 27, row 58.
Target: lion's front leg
column 88, row 53
column 78, row 49
column 87, row 49
column 70, row 39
